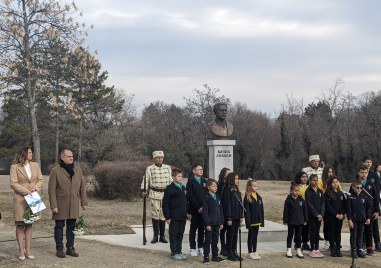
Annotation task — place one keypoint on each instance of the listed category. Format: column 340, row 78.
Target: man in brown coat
column 67, row 193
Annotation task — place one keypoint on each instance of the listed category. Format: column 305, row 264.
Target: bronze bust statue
column 220, row 128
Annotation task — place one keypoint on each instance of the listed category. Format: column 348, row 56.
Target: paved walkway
column 135, row 241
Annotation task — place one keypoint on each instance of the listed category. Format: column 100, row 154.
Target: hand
column 305, row 223
column 143, row 194
column 55, row 210
column 221, row 226
column 208, row 228
column 240, row 220
column 319, row 217
column 33, row 190
column 199, row 210
column 84, row 207
column 189, row 217
column 367, row 222
column 29, row 193
column 230, row 223
column 168, row 221
column 375, row 215
column 350, row 224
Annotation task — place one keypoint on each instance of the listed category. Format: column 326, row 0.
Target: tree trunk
column 30, row 92
column 56, row 155
column 80, row 139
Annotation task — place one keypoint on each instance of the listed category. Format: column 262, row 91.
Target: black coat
column 254, row 211
column 373, row 197
column 358, row 207
column 195, row 194
column 175, row 203
column 232, row 207
column 295, row 211
column 334, row 206
column 315, row 202
column 212, row 212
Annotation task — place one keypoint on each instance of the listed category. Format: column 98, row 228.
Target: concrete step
column 272, row 232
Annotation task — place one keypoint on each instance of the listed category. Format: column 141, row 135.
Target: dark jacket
column 175, row 203
column 212, row 212
column 315, row 202
column 358, row 207
column 295, row 211
column 195, row 194
column 375, row 179
column 232, row 207
column 334, row 206
column 374, row 198
column 254, row 211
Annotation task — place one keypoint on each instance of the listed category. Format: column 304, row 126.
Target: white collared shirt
column 28, row 170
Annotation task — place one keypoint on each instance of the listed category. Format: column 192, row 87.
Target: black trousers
column 211, row 238
column 176, row 233
column 252, row 239
column 326, row 230
column 223, row 235
column 196, row 225
column 357, row 235
column 294, row 231
column 58, row 233
column 368, row 233
column 305, row 233
column 334, row 232
column 231, row 237
column 376, row 232
column 314, row 232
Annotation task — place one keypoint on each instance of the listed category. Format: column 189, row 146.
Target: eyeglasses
column 358, row 188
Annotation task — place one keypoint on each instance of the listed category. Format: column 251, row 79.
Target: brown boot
column 60, row 253
column 71, row 252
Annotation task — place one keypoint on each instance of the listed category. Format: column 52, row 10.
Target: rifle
column 144, row 221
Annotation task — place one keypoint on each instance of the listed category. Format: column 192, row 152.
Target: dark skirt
column 21, row 223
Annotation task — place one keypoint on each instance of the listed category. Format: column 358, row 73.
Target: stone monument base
column 220, row 156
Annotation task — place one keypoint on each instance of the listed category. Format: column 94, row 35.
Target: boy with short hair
column 373, row 177
column 374, row 199
column 358, row 214
column 213, row 217
column 175, row 213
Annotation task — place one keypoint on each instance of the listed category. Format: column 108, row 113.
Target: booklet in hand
column 34, row 202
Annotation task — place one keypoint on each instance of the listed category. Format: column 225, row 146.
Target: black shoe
column 354, row 254
column 377, row 246
column 333, row 253
column 361, row 254
column 162, row 239
column 224, row 252
column 305, row 246
column 206, row 261
column 238, row 257
column 218, row 259
column 338, row 253
column 154, row 240
column 231, row 258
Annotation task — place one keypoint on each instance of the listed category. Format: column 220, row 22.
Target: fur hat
column 157, row 153
column 314, row 157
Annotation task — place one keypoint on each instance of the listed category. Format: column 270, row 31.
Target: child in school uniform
column 358, row 214
column 213, row 217
column 335, row 209
column 175, row 213
column 373, row 197
column 316, row 209
column 233, row 213
column 301, row 178
column 254, row 216
column 295, row 216
column 220, row 186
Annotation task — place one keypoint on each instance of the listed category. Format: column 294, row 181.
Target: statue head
column 220, row 110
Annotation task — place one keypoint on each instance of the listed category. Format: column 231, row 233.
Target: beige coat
column 65, row 194
column 21, row 184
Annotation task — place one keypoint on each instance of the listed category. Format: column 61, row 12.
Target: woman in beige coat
column 26, row 178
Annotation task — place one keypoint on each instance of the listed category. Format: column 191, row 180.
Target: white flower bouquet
column 30, row 217
column 79, row 228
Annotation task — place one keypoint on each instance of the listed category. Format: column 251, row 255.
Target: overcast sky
column 254, row 51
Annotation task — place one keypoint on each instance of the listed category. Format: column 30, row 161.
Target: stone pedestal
column 220, row 156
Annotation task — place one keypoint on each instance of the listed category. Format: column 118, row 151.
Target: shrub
column 119, row 180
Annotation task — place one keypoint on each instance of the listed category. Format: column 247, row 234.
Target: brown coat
column 21, row 184
column 66, row 194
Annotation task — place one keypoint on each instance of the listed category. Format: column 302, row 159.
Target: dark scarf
column 68, row 167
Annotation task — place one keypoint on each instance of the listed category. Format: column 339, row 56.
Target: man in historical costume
column 67, row 192
column 157, row 177
column 221, row 129
column 314, row 166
